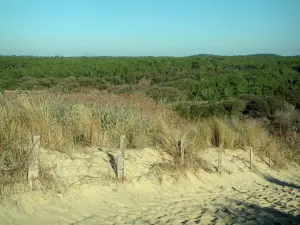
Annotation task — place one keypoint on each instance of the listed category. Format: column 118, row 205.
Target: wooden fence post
column 182, row 151
column 120, row 163
column 33, row 167
column 250, row 149
column 220, row 150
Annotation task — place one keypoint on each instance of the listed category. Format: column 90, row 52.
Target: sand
column 237, row 196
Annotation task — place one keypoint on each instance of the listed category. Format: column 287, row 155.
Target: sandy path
column 242, row 199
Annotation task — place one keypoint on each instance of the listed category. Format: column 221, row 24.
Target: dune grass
column 67, row 121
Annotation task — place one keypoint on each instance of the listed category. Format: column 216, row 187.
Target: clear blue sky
column 144, row 27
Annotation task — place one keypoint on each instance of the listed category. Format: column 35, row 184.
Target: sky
column 149, row 28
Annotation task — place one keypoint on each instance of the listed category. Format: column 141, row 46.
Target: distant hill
column 265, row 55
column 205, row 55
column 259, row 55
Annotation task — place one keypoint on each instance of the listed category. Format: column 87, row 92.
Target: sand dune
column 238, row 196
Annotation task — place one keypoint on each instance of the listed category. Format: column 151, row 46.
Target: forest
column 196, row 86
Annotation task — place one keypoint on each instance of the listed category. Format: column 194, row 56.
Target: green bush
column 101, row 86
column 29, row 83
column 275, row 103
column 183, row 108
column 86, row 81
column 168, row 94
column 196, row 109
column 233, row 107
column 1, row 87
column 256, row 106
column 68, row 84
column 45, row 82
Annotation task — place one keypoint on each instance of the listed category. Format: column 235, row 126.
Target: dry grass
column 234, row 133
column 66, row 121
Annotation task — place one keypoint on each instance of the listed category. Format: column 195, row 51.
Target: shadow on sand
column 276, row 181
column 113, row 163
column 281, row 183
column 254, row 214
column 237, row 212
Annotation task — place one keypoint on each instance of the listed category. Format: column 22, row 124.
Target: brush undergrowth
column 67, row 121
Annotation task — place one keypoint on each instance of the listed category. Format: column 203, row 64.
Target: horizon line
column 150, row 56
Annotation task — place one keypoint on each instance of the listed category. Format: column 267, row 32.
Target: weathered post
column 269, row 159
column 250, row 150
column 182, row 151
column 220, row 150
column 120, row 163
column 33, row 167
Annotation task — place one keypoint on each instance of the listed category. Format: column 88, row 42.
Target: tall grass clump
column 236, row 133
column 68, row 120
column 71, row 120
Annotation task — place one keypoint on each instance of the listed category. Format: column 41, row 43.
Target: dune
column 83, row 190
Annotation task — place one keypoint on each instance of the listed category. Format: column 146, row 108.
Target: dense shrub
column 233, row 107
column 256, row 106
column 101, row 86
column 275, row 103
column 194, row 110
column 183, row 108
column 168, row 94
column 86, row 81
column 29, row 83
column 68, row 84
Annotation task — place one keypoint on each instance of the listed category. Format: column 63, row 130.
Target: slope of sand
column 237, row 196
